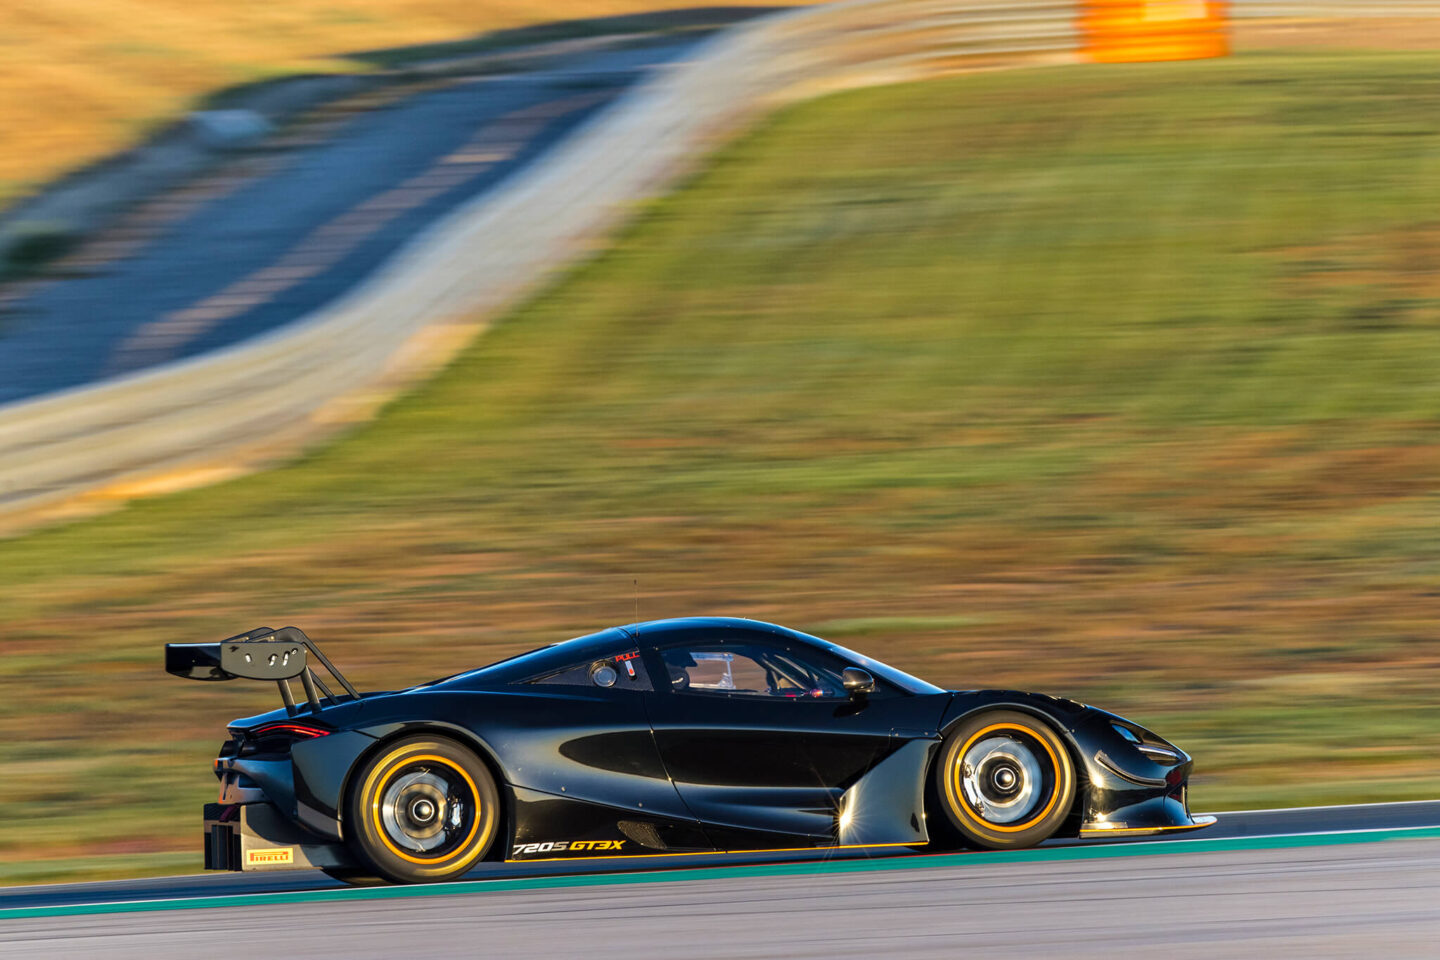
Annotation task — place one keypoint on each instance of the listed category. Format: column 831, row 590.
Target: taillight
column 300, row 731
column 273, row 739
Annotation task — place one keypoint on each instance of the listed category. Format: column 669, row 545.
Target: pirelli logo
column 268, row 858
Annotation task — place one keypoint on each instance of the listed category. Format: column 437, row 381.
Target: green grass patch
column 110, row 867
column 1110, row 382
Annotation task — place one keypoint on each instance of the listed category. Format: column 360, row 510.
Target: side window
column 749, row 670
column 624, row 671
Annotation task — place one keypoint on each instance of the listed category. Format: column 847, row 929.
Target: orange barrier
column 1131, row 31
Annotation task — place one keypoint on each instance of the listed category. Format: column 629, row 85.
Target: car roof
column 595, row 646
column 657, row 631
column 605, row 643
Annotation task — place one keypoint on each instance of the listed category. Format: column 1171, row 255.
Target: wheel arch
column 1071, row 824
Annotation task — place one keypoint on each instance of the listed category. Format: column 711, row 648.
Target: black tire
column 1004, row 781
column 421, row 810
column 353, row 876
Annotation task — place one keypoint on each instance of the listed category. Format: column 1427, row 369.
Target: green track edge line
column 798, row 868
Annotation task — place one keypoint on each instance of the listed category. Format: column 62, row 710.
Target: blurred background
column 1112, row 380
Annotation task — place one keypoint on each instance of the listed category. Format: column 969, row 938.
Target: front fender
column 1138, row 781
column 1128, row 785
column 1063, row 715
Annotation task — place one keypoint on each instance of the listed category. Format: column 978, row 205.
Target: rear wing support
column 262, row 654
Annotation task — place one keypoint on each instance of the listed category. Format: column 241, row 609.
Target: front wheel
column 422, row 809
column 1005, row 780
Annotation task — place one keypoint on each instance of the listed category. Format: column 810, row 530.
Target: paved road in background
column 289, row 227
column 1246, row 896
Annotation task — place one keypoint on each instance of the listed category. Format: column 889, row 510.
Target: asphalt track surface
column 291, row 225
column 1322, row 882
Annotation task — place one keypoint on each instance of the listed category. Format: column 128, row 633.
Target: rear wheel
column 422, row 809
column 1005, row 780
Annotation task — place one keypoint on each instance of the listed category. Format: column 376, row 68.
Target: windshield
column 883, row 671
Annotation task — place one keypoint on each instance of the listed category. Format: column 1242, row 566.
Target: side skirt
column 1099, row 831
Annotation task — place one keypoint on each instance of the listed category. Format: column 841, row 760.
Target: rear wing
column 262, row 654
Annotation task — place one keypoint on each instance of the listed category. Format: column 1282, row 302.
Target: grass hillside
column 81, row 79
column 1112, row 382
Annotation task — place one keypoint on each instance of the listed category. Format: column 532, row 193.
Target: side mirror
column 858, row 682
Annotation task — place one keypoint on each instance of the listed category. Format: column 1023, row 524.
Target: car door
column 574, row 739
column 760, row 737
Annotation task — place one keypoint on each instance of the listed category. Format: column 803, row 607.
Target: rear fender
column 379, row 736
column 321, row 768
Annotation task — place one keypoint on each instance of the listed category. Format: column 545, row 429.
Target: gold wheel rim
column 957, row 792
column 385, row 771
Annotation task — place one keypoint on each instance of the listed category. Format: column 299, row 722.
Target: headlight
column 1126, row 732
column 1155, row 751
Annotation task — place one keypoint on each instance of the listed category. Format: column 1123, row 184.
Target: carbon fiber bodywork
column 586, row 770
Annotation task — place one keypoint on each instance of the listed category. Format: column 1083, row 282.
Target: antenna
column 637, row 599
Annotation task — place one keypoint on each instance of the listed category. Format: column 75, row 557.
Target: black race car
column 669, row 737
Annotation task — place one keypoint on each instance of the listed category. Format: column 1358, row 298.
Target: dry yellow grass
column 80, row 79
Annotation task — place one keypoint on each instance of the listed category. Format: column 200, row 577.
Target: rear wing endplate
column 262, row 654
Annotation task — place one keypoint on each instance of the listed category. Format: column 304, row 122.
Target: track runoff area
column 1236, row 831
